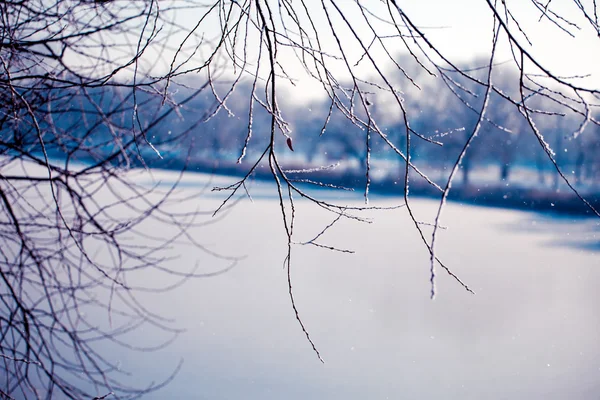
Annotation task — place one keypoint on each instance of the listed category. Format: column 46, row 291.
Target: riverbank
column 488, row 193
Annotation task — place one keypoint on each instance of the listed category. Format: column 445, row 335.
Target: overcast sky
column 462, row 30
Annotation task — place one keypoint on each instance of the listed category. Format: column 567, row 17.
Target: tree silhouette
column 78, row 109
column 89, row 88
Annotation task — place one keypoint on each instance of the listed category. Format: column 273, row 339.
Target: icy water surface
column 530, row 332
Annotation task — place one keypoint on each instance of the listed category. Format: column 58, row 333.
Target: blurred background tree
column 313, row 92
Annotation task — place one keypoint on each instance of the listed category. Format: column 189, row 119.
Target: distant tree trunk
column 506, row 163
column 540, row 168
column 579, row 162
column 215, row 147
column 504, row 171
column 557, row 146
column 466, row 169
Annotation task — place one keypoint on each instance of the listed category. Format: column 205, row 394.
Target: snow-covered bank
column 525, row 190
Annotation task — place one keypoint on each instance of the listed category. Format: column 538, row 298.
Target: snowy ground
column 530, row 331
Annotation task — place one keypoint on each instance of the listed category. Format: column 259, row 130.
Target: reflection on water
column 531, row 331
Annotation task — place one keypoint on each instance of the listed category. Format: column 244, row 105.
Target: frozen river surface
column 531, row 331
